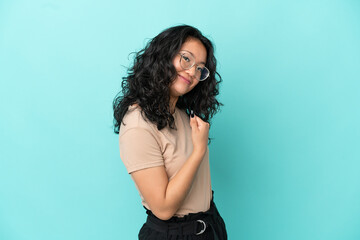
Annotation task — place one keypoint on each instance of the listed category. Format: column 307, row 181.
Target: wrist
column 199, row 152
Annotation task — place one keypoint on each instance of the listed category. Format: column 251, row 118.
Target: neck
column 173, row 101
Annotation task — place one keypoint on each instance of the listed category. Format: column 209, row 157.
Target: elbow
column 164, row 215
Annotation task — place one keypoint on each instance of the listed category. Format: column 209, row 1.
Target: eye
column 200, row 69
column 186, row 58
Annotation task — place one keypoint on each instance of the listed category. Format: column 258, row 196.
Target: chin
column 179, row 89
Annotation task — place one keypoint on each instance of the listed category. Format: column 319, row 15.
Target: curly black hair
column 148, row 81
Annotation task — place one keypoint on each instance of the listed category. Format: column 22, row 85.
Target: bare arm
column 163, row 196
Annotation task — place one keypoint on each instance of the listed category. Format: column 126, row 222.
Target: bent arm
column 163, row 196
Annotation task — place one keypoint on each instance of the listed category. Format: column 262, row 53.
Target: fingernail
column 192, row 113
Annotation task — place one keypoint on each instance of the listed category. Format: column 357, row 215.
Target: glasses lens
column 204, row 74
column 186, row 61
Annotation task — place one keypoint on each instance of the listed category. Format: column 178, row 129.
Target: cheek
column 176, row 63
column 196, row 82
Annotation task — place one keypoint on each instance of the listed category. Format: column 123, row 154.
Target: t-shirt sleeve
column 139, row 150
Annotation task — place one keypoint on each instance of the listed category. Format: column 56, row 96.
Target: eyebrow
column 193, row 55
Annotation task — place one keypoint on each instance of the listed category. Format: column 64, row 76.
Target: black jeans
column 208, row 225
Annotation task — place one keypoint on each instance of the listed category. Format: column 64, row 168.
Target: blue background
column 285, row 160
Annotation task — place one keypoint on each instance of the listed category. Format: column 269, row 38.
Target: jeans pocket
column 143, row 233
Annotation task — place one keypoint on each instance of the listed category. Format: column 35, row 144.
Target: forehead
column 196, row 47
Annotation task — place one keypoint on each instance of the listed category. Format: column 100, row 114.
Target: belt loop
column 203, row 227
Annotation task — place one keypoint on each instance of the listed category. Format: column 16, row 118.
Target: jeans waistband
column 193, row 223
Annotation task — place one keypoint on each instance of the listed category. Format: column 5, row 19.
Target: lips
column 185, row 79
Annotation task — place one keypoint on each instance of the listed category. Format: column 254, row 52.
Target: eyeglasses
column 187, row 61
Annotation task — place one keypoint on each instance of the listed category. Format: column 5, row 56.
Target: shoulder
column 135, row 119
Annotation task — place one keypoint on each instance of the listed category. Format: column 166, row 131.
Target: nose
column 192, row 71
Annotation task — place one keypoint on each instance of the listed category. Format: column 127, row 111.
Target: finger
column 199, row 121
column 193, row 122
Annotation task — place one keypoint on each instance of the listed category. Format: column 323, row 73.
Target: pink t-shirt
column 142, row 146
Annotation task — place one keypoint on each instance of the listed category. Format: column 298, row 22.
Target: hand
column 199, row 133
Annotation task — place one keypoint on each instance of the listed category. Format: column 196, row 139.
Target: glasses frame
column 192, row 65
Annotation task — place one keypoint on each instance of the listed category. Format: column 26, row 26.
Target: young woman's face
column 186, row 79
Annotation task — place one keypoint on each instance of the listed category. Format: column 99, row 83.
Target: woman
column 162, row 119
